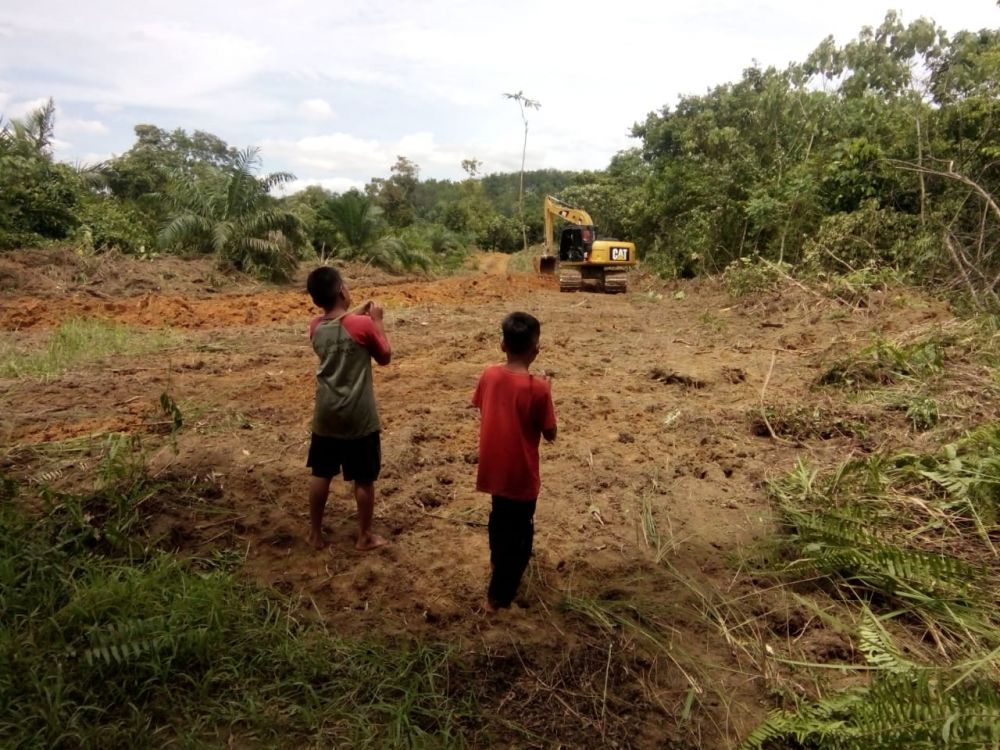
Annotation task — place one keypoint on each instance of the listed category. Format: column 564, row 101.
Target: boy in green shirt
column 345, row 425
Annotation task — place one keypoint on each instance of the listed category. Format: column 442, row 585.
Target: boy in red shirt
column 517, row 410
column 345, row 425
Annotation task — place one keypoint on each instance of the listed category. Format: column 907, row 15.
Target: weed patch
column 76, row 342
column 884, row 362
column 805, row 423
column 746, row 276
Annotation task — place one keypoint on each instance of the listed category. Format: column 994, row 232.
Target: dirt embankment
column 210, row 308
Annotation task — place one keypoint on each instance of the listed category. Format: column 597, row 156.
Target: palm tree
column 356, row 219
column 236, row 217
column 36, row 129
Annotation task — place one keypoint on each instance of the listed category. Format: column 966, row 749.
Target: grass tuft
column 79, row 341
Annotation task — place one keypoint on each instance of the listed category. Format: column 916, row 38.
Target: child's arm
column 477, row 396
column 378, row 345
column 548, row 416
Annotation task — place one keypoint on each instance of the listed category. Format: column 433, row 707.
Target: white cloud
column 333, row 152
column 62, row 149
column 80, row 125
column 166, row 64
column 419, row 79
column 22, row 108
column 333, row 184
column 360, row 158
column 94, row 157
column 316, row 109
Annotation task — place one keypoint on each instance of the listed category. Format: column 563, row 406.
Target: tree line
column 174, row 191
column 878, row 153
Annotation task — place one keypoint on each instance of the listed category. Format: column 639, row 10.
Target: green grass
column 77, row 342
column 106, row 643
column 885, row 362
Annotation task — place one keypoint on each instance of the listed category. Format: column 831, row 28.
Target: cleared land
column 641, row 623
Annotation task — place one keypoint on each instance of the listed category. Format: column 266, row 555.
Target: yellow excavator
column 581, row 256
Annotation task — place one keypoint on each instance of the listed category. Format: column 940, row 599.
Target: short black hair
column 323, row 285
column 520, row 332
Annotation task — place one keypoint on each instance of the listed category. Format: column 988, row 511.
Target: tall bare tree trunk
column 522, row 103
column 920, row 175
column 520, row 192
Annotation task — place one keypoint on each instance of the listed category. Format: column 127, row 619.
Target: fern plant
column 894, row 532
column 906, row 706
column 897, row 712
column 935, row 587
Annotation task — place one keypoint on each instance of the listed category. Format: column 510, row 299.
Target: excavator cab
column 575, row 243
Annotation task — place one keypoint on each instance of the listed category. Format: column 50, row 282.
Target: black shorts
column 361, row 458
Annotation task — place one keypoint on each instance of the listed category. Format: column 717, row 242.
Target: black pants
column 512, row 531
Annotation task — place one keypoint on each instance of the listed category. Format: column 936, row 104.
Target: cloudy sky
column 334, row 91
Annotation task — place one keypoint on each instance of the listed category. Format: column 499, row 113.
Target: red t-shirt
column 515, row 408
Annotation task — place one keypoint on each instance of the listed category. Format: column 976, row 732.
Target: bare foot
column 317, row 542
column 369, row 542
column 489, row 608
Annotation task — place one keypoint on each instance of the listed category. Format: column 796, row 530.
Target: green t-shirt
column 345, row 396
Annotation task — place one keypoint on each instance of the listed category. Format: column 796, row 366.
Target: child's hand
column 373, row 311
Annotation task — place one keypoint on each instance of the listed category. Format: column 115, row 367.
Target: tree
column 360, row 229
column 471, row 167
column 237, row 218
column 310, row 205
column 143, row 178
column 37, row 128
column 395, row 195
column 38, row 196
column 158, row 156
column 523, row 103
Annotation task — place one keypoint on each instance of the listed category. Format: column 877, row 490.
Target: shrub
column 109, row 224
column 753, row 275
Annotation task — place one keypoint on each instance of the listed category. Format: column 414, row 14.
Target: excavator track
column 570, row 280
column 615, row 283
